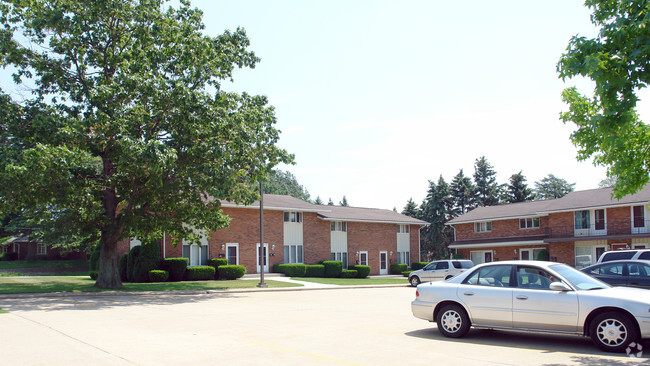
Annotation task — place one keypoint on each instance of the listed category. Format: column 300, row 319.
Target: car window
column 638, row 270
column 456, row 264
column 467, row 264
column 533, row 278
column 430, row 266
column 614, row 256
column 611, row 269
column 644, row 255
column 442, row 265
column 493, row 276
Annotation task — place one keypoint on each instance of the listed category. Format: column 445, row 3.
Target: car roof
column 522, row 262
column 644, row 261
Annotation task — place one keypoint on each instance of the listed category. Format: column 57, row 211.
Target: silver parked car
column 536, row 296
column 439, row 270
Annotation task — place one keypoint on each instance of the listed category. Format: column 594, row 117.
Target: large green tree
column 283, row 182
column 411, row 209
column 437, row 209
column 127, row 131
column 551, row 187
column 485, row 180
column 463, row 193
column 517, row 190
column 618, row 62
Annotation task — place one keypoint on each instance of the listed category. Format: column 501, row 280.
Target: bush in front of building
column 231, row 272
column 199, row 273
column 418, row 265
column 130, row 262
column 176, row 267
column 294, row 270
column 147, row 259
column 406, row 273
column 216, row 262
column 122, row 267
column 276, row 268
column 398, row 268
column 333, row 268
column 158, row 275
column 542, row 255
column 314, row 270
column 362, row 271
column 348, row 273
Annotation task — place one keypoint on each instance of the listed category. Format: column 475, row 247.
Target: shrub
column 333, row 268
column 199, row 273
column 314, row 270
column 2, row 256
column 93, row 275
column 457, row 256
column 348, row 273
column 276, row 268
column 130, row 262
column 147, row 259
column 176, row 267
column 158, row 275
column 216, row 262
column 294, row 270
column 397, row 268
column 542, row 255
column 406, row 273
column 93, row 262
column 231, row 272
column 122, row 267
column 362, row 271
column 418, row 265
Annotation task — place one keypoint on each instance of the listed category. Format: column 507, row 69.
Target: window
column 293, row 216
column 638, row 216
column 41, row 249
column 363, row 258
column 581, row 219
column 403, row 257
column 530, row 254
column 197, row 254
column 609, row 269
column 599, row 217
column 402, row 229
column 341, row 256
column 493, row 276
column 638, row 270
column 339, row 226
column 482, row 227
column 481, row 256
column 442, row 265
column 529, row 223
column 533, row 278
column 293, row 253
column 232, row 253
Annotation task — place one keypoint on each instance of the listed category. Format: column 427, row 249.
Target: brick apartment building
column 296, row 231
column 574, row 229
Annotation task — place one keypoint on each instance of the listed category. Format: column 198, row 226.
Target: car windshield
column 579, row 280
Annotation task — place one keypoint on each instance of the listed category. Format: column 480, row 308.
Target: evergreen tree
column 344, row 202
column 552, row 187
column 462, row 193
column 330, row 202
column 437, row 210
column 283, row 182
column 487, row 189
column 318, row 201
column 411, row 209
column 517, row 190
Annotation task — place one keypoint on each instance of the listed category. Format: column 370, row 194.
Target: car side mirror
column 559, row 286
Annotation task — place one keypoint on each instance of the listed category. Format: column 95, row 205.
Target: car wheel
column 453, row 321
column 613, row 331
column 415, row 281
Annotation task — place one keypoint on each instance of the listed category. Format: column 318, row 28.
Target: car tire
column 613, row 331
column 415, row 281
column 453, row 321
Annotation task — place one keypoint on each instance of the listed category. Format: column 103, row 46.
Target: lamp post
column 262, row 256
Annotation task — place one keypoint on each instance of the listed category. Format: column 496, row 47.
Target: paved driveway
column 371, row 326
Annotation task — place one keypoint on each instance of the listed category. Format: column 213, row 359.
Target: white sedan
column 536, row 296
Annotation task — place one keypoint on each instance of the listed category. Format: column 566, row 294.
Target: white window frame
column 404, row 258
column 339, row 256
column 293, row 255
column 482, row 254
column 41, row 249
column 529, row 223
column 340, row 226
column 189, row 255
column 236, row 246
column 292, row 216
column 531, row 253
column 361, row 255
column 403, row 228
column 483, row 227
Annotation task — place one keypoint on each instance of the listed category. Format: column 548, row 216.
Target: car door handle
column 468, row 293
column 522, row 297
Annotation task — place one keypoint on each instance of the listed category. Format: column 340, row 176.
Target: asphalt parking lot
column 356, row 326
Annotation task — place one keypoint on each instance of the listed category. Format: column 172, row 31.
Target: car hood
column 621, row 293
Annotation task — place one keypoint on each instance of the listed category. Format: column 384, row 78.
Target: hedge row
column 330, row 269
column 398, row 268
column 418, row 265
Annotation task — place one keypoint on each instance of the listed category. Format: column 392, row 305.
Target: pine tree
column 344, row 202
column 318, row 201
column 463, row 194
column 330, row 202
column 411, row 209
column 437, row 210
column 487, row 189
column 517, row 190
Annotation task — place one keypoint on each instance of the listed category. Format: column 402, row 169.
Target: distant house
column 24, row 247
column 296, row 231
column 574, row 229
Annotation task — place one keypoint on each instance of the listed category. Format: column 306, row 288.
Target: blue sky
column 375, row 98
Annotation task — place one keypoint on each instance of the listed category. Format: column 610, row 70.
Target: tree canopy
column 618, row 62
column 283, row 182
column 551, row 187
column 517, row 190
column 127, row 131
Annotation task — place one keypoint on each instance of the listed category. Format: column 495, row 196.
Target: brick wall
column 414, row 246
column 316, row 238
column 371, row 238
column 500, row 229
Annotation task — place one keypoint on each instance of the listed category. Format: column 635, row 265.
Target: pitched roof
column 579, row 200
column 329, row 213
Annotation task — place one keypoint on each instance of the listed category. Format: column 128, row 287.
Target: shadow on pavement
column 547, row 343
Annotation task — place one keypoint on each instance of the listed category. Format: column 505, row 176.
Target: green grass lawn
column 19, row 285
column 354, row 281
column 44, row 264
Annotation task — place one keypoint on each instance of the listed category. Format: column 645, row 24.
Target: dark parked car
column 630, row 273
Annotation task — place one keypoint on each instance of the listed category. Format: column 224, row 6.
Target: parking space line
column 304, row 353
